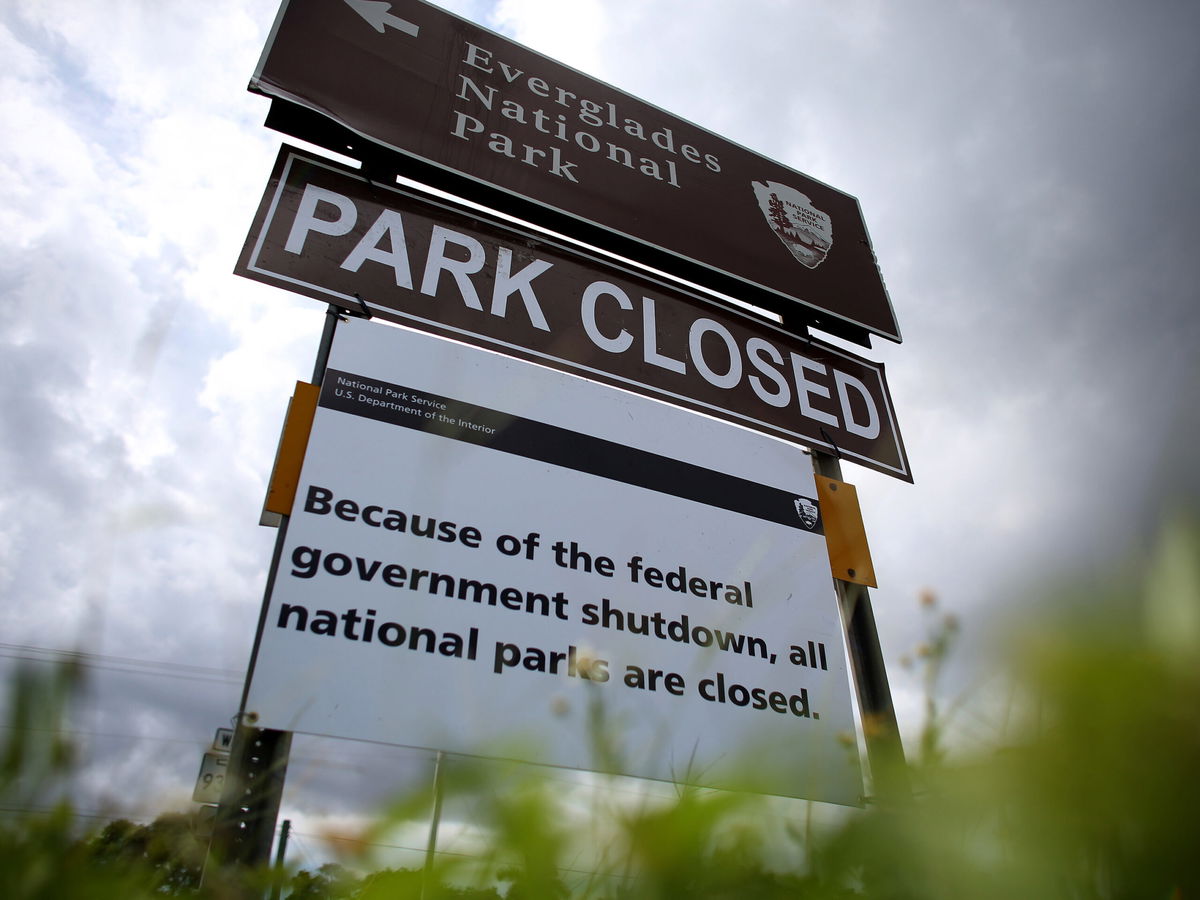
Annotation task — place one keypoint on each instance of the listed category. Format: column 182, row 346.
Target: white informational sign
column 492, row 558
column 211, row 780
column 223, row 740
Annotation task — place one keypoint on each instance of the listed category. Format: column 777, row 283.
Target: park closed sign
column 328, row 232
column 495, row 558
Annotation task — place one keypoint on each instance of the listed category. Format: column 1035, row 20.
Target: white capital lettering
column 804, row 387
column 870, row 430
column 507, row 283
column 478, row 57
column 696, row 333
column 389, row 223
column 594, row 292
column 650, row 341
column 306, row 217
column 462, row 129
column 461, row 270
column 782, row 395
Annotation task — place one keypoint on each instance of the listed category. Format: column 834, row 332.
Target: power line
column 102, row 734
column 141, row 819
column 126, row 664
column 330, row 763
column 86, row 655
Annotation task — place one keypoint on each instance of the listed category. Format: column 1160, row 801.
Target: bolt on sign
column 494, row 558
column 485, row 118
column 327, row 232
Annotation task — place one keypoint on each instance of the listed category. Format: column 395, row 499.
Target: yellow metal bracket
column 285, row 475
column 845, row 537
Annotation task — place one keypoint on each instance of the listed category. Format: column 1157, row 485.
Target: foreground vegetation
column 1093, row 792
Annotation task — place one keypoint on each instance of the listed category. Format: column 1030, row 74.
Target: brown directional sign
column 472, row 112
column 326, row 231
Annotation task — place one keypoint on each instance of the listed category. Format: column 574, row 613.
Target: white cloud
column 574, row 33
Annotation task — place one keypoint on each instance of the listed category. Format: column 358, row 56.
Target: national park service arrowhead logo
column 807, row 511
column 804, row 230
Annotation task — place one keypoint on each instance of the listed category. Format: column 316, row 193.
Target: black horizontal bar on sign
column 528, row 438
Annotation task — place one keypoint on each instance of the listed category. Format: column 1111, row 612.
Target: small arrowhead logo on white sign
column 807, row 511
column 377, row 16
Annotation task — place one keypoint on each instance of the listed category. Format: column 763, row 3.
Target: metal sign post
column 249, row 806
column 885, row 752
column 435, row 819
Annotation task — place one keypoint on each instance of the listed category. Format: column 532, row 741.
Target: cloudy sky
column 1027, row 171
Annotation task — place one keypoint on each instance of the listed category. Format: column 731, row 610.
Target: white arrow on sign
column 377, row 16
